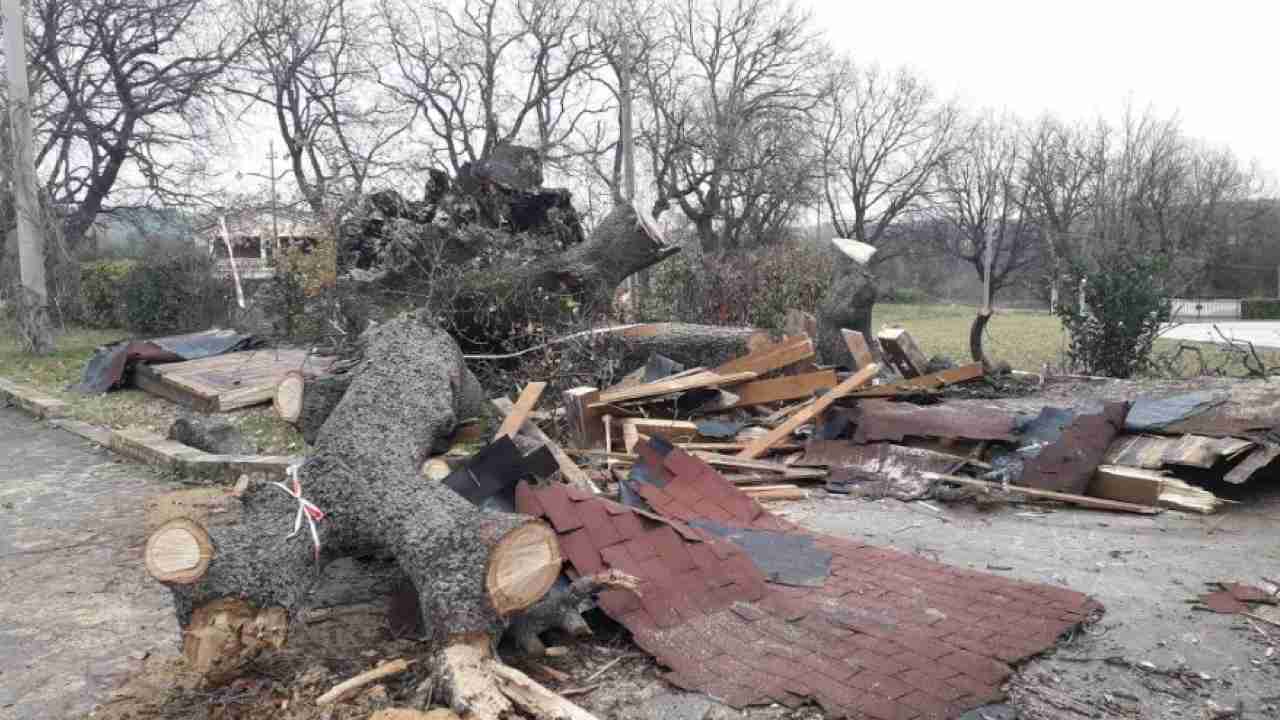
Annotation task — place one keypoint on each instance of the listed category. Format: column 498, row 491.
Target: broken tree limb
column 472, row 569
column 760, row 446
column 287, row 399
column 847, row 304
column 976, row 330
column 349, row 687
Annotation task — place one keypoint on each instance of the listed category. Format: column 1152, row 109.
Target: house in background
column 256, row 238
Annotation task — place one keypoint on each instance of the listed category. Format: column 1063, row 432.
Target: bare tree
column 884, row 137
column 306, row 62
column 734, row 75
column 488, row 72
column 982, row 199
column 119, row 86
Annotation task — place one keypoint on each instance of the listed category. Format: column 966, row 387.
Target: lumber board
column 925, row 383
column 230, row 381
column 668, row 387
column 674, row 431
column 762, row 445
column 520, row 411
column 858, row 348
column 1126, row 484
column 738, row 463
column 1081, row 500
column 901, row 351
column 771, row 357
column 568, row 468
column 788, row 387
column 583, row 420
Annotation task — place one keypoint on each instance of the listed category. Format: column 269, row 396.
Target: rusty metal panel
column 1068, row 464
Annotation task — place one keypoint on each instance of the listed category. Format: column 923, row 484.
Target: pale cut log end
column 178, row 552
column 436, row 469
column 523, row 566
column 288, row 397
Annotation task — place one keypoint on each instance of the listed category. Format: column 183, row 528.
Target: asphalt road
column 77, row 611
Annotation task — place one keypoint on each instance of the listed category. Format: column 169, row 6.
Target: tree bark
column 472, row 569
column 846, row 305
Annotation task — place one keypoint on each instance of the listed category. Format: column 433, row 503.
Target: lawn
column 123, row 408
column 1026, row 339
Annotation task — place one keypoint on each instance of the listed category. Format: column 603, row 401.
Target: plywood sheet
column 231, row 381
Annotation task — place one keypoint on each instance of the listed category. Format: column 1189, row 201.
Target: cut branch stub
column 523, row 566
column 179, row 551
column 288, row 397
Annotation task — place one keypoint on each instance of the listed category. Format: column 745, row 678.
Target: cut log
column 436, row 469
column 687, row 344
column 520, row 411
column 319, row 396
column 472, row 569
column 762, row 445
column 287, row 400
column 901, row 351
column 178, row 552
column 859, row 350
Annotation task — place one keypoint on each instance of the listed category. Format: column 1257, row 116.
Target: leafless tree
column 983, row 200
column 487, row 72
column 734, row 76
column 884, row 137
column 119, row 87
column 307, row 63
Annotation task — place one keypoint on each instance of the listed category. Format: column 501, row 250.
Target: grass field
column 1025, row 339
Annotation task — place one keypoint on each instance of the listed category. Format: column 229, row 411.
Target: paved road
column 77, row 611
column 1262, row 333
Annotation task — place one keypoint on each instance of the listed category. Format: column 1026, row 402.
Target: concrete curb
column 146, row 446
column 31, row 400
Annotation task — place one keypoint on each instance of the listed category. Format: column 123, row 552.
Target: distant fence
column 1206, row 309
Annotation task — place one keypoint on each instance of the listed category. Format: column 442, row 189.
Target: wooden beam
column 789, row 387
column 671, row 430
column 902, row 352
column 932, row 381
column 583, row 421
column 668, row 387
column 761, row 446
column 771, row 357
column 738, row 463
column 858, row 348
column 520, row 411
column 1081, row 500
column 568, row 468
column 1126, row 484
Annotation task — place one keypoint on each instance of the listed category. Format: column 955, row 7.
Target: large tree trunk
column 846, row 305
column 473, row 569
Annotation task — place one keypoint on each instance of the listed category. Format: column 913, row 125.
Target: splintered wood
column 809, row 412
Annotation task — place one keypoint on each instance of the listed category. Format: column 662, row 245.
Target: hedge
column 1260, row 309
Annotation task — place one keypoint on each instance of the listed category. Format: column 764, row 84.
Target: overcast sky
column 1214, row 63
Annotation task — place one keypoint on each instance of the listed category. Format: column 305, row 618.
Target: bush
column 173, row 290
column 1260, row 309
column 739, row 288
column 1126, row 303
column 102, row 285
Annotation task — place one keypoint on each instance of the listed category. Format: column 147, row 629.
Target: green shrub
column 1126, row 303
column 1260, row 309
column 904, row 296
column 173, row 290
column 102, row 285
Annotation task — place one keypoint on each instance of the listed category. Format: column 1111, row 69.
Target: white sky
column 1216, row 64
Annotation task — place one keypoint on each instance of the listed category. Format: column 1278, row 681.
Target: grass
column 1028, row 339
column 53, row 373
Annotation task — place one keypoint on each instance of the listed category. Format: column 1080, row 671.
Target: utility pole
column 628, row 137
column 275, row 228
column 35, row 295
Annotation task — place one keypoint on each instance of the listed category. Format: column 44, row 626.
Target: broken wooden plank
column 1179, row 495
column 771, row 357
column 1204, row 452
column 669, row 387
column 880, row 420
column 858, row 348
column 1258, row 459
column 520, row 411
column 775, row 493
column 1126, row 484
column 762, row 445
column 1081, row 500
column 568, row 469
column 925, row 383
column 902, row 352
column 789, row 387
column 674, row 431
column 728, row 446
column 739, row 463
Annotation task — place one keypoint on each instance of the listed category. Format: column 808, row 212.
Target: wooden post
column 31, row 239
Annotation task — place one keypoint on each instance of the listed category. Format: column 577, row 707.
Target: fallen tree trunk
column 473, row 570
column 846, row 305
